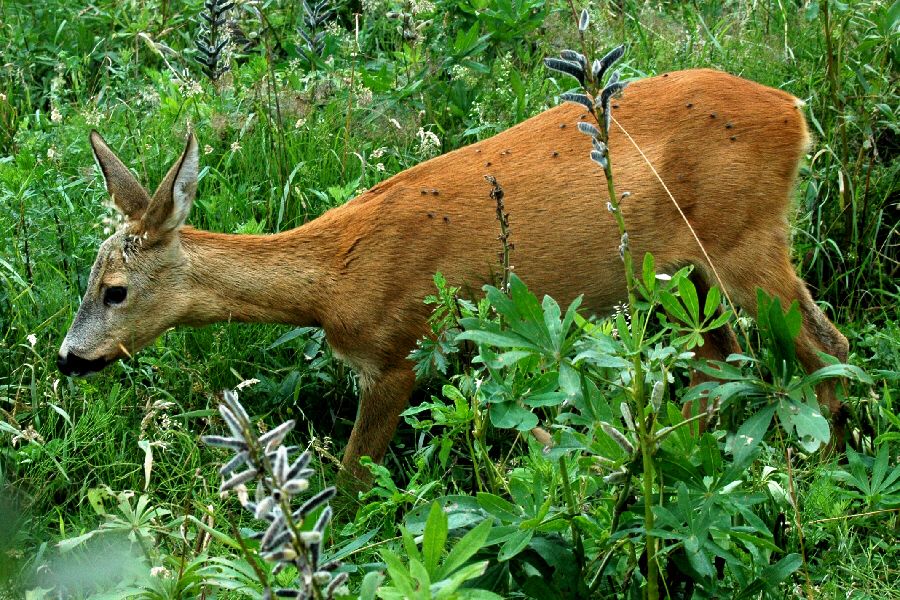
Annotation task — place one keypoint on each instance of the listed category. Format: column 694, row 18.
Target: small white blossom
column 235, row 146
column 32, row 339
column 429, row 142
column 207, row 149
column 55, row 115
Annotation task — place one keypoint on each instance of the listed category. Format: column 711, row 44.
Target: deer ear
column 173, row 198
column 129, row 196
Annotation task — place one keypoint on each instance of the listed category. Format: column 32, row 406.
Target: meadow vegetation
column 106, row 489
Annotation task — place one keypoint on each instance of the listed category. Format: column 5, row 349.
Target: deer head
column 138, row 286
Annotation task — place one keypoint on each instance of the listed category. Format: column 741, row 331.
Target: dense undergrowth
column 105, row 488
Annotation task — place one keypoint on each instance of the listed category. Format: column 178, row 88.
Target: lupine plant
column 213, row 39
column 279, row 479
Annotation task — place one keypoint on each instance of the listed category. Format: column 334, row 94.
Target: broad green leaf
column 498, row 507
column 400, row 576
column 697, row 558
column 674, row 307
column 435, row 537
column 465, row 549
column 751, row 433
column 782, row 569
column 369, row 584
column 515, row 544
column 811, row 427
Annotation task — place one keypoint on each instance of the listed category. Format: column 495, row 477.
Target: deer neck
column 280, row 278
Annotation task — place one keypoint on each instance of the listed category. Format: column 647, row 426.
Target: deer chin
column 75, row 366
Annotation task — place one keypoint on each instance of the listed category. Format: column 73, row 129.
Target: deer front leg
column 383, row 397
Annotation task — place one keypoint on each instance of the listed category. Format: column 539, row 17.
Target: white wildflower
column 235, row 146
column 161, row 572
column 429, row 142
column 51, row 153
column 32, row 339
column 380, row 167
column 92, row 118
column 55, row 115
column 378, row 152
column 207, row 149
column 396, row 124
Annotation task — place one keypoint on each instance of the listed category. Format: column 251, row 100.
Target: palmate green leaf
column 434, row 538
column 779, row 329
column 509, row 415
column 688, row 293
column 713, row 300
column 464, row 549
column 673, row 306
column 526, row 318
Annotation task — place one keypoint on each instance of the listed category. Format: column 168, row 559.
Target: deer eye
column 114, row 295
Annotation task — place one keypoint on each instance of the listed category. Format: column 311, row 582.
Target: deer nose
column 74, row 366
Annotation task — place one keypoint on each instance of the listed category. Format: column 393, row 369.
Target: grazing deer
column 727, row 148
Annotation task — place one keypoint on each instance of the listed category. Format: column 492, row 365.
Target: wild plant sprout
column 212, row 41
column 279, row 480
column 595, row 97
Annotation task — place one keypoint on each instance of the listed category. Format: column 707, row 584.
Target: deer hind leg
column 383, row 397
column 817, row 334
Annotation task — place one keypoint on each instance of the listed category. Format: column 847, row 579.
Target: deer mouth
column 74, row 366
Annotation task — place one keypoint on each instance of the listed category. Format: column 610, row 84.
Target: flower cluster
column 265, row 461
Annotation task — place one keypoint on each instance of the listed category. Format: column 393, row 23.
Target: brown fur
column 362, row 270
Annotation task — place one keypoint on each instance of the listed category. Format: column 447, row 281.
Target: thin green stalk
column 646, row 440
column 573, row 511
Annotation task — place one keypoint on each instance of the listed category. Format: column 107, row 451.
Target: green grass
column 283, row 150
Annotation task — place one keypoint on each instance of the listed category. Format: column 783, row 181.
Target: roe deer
column 727, row 148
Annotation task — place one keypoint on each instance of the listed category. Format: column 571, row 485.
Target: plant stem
column 573, row 511
column 638, row 393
